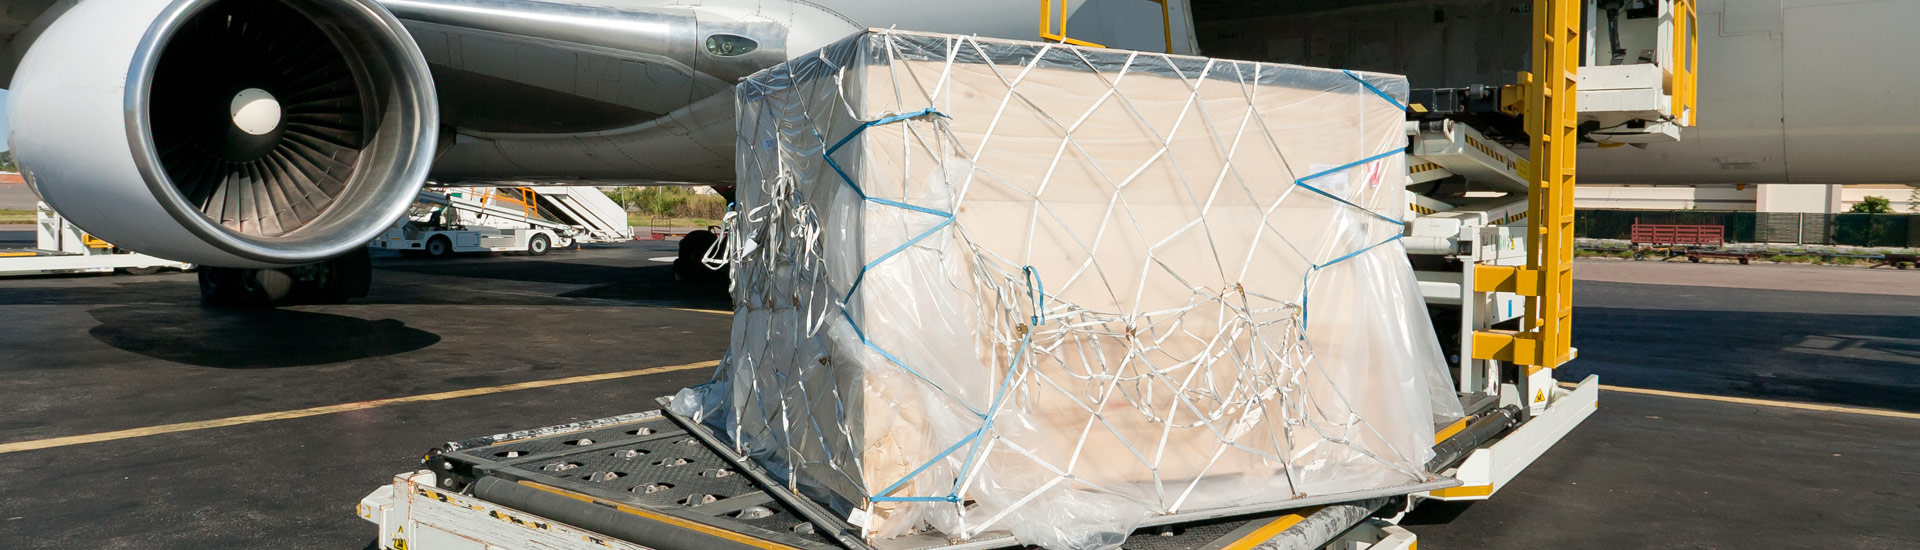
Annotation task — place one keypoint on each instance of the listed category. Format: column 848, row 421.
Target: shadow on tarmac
column 648, row 285
column 1435, row 512
column 102, row 289
column 1842, row 359
column 251, row 338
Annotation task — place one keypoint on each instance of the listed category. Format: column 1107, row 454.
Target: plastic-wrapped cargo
column 988, row 285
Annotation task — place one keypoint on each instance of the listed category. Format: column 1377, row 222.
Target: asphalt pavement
column 136, row 359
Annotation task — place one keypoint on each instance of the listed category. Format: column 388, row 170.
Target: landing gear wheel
column 538, row 245
column 439, row 247
column 349, row 277
column 688, row 265
column 236, row 287
column 220, row 286
column 268, row 287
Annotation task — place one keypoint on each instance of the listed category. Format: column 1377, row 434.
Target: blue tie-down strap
column 1376, row 90
column 975, row 440
column 1036, row 293
column 1306, row 280
column 828, row 155
column 1302, row 182
column 862, row 275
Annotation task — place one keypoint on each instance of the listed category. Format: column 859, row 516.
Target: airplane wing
column 20, row 21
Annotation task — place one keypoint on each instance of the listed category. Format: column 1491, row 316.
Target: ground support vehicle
column 60, row 247
column 439, row 241
column 459, row 220
column 656, row 480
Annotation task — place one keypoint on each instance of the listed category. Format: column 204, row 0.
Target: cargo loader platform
column 654, row 480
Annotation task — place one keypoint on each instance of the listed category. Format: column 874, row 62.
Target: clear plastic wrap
column 988, row 285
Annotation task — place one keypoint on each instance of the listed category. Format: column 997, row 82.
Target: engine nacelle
column 239, row 133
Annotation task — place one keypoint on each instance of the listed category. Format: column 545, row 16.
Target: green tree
column 627, row 197
column 6, row 162
column 1873, row 205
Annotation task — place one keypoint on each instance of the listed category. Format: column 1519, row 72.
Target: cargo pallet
column 657, row 480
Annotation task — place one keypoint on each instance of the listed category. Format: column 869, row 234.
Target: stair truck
column 448, row 221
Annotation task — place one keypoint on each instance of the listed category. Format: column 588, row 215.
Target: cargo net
column 1064, row 423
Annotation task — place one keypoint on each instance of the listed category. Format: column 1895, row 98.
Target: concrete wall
column 1902, row 196
column 1719, row 198
column 1795, row 198
column 1744, row 198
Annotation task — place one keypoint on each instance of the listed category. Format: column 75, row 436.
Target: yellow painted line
column 17, row 254
column 1761, row 402
column 663, row 518
column 49, row 443
column 1270, row 530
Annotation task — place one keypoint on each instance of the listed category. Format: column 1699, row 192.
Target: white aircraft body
column 277, row 133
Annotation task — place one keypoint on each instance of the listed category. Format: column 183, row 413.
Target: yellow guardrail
column 1049, row 30
column 1686, row 53
column 1552, row 119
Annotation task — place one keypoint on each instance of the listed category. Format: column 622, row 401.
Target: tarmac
column 138, row 419
column 17, row 196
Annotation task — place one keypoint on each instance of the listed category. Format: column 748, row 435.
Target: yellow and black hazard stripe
column 1496, row 155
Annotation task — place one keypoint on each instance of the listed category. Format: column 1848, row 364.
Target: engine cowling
column 237, row 133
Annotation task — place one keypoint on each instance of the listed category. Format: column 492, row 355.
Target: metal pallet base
column 667, row 468
column 644, row 461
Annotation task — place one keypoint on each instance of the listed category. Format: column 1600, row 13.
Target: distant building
column 1744, row 197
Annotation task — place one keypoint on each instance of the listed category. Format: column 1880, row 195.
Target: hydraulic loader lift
column 1502, row 265
column 656, row 480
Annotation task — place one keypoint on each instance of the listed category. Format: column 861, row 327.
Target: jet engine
column 234, row 133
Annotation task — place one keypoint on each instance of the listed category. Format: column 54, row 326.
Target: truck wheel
column 538, row 245
column 149, row 270
column 439, row 246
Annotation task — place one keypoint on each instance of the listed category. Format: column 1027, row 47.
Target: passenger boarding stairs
column 602, row 219
column 581, row 213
